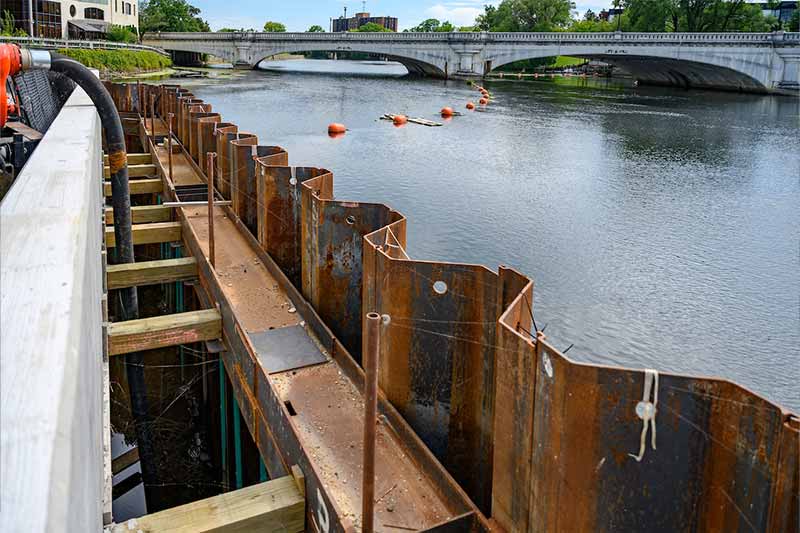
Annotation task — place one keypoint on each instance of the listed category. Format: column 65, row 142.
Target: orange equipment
column 10, row 64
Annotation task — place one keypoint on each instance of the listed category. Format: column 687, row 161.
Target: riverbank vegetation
column 111, row 62
column 637, row 15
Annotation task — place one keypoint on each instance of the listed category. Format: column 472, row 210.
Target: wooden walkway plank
column 124, row 461
column 143, row 186
column 134, row 171
column 144, row 214
column 151, row 272
column 275, row 505
column 134, row 159
column 163, row 331
column 149, row 233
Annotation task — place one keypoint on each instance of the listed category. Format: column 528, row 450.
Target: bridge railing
column 39, row 42
column 624, row 37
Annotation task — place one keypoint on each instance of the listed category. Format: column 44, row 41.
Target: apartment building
column 73, row 19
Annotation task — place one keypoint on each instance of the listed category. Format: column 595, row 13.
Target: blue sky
column 298, row 15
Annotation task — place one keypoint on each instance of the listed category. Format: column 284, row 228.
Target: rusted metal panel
column 438, row 355
column 189, row 131
column 279, row 217
column 187, row 104
column 240, row 160
column 332, row 237
column 715, row 467
column 196, row 122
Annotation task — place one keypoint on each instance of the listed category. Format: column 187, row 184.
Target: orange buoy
column 483, row 101
column 336, row 128
column 400, row 120
column 470, row 105
column 447, row 112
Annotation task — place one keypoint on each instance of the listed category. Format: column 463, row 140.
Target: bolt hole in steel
column 350, row 220
column 386, row 319
column 439, row 287
column 293, row 181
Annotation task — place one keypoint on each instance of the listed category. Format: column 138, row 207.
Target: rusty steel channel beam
column 537, row 441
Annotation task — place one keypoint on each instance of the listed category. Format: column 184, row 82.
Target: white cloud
column 459, row 13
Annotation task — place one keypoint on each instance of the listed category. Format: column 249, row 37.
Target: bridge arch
column 415, row 66
column 696, row 68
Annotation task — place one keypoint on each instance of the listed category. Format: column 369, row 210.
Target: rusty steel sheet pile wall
column 537, row 441
column 332, row 242
column 719, row 458
column 279, row 220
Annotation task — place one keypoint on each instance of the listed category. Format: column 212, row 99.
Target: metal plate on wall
column 286, row 348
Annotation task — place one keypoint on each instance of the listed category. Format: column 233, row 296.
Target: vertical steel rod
column 153, row 116
column 210, row 157
column 371, row 356
column 169, row 155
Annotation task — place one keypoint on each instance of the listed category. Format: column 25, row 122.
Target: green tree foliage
column 7, row 28
column 122, row 34
column 433, row 25
column 696, row 16
column 316, row 28
column 170, row 15
column 274, row 27
column 372, row 27
column 794, row 22
column 525, row 15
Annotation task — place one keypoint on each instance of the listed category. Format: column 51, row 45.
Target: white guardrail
column 39, row 42
column 633, row 37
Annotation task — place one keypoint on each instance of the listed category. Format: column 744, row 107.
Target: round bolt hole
column 293, row 181
column 350, row 220
column 440, row 287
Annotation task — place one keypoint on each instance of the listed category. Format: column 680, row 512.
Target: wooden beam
column 134, row 159
column 143, row 214
column 151, row 272
column 149, row 233
column 124, row 461
column 163, row 331
column 275, row 505
column 134, row 171
column 144, row 186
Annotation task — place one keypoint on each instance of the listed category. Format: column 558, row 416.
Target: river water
column 660, row 225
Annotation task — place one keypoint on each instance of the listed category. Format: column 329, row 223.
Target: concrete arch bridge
column 759, row 62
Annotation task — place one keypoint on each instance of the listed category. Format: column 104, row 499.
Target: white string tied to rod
column 646, row 410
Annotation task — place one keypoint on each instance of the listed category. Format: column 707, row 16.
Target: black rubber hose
column 118, row 162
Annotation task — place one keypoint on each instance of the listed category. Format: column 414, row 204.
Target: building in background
column 63, row 19
column 780, row 10
column 353, row 23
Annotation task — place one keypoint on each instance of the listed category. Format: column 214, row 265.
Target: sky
column 299, row 15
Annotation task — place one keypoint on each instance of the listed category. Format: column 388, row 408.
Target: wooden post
column 210, row 157
column 371, row 354
column 169, row 155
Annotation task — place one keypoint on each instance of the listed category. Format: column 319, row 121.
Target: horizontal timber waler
column 510, row 432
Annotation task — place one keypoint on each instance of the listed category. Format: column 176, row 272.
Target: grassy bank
column 119, row 61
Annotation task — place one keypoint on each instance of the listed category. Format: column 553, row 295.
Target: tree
column 372, row 27
column 433, row 25
column 122, row 34
column 794, row 22
column 526, row 15
column 696, row 16
column 274, row 27
column 316, row 29
column 170, row 15
column 8, row 26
